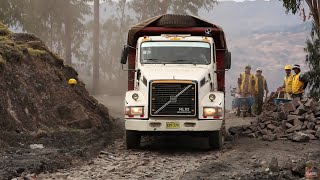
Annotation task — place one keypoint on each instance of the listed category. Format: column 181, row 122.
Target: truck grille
column 173, row 99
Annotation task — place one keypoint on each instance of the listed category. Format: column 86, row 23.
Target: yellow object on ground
column 72, row 81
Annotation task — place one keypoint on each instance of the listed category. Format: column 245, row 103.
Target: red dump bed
column 178, row 24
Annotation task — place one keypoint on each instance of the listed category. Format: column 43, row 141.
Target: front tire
column 216, row 139
column 133, row 139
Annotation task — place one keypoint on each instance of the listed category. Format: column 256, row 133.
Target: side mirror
column 227, row 60
column 124, row 55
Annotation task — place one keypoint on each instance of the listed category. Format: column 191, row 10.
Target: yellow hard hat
column 72, row 81
column 287, row 67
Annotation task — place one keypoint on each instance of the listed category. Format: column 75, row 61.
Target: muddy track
column 156, row 160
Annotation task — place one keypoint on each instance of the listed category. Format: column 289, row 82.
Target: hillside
column 38, row 109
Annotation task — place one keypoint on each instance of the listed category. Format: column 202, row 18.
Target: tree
column 96, row 46
column 146, row 8
column 312, row 44
column 59, row 23
column 296, row 6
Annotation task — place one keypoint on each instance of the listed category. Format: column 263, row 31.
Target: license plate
column 173, row 125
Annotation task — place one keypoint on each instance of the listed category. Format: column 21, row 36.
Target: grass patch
column 36, row 52
column 4, row 31
column 2, row 61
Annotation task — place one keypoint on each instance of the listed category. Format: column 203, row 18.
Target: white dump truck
column 176, row 79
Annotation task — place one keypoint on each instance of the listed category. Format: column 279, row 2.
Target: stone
column 289, row 107
column 282, row 115
column 299, row 168
column 317, row 134
column 288, row 125
column 291, row 117
column 317, row 114
column 304, row 127
column 297, row 122
column 296, row 102
column 245, row 127
column 254, row 122
column 39, row 134
column 309, row 131
column 271, row 126
column 310, row 103
column 300, row 110
column 305, row 123
column 253, row 128
column 251, row 135
column 311, row 136
column 274, row 166
column 264, row 132
column 275, row 115
column 246, row 132
column 269, row 137
column 311, row 125
column 262, row 125
column 278, row 131
column 294, row 128
column 267, row 122
column 300, row 137
column 235, row 130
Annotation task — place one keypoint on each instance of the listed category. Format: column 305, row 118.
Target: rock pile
column 298, row 120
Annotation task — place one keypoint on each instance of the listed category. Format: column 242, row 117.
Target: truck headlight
column 135, row 96
column 212, row 111
column 132, row 111
column 212, row 97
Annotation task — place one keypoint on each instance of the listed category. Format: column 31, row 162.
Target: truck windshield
column 173, row 52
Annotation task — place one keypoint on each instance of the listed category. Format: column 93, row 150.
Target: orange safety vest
column 297, row 85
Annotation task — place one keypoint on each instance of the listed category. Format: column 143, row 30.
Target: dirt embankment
column 44, row 122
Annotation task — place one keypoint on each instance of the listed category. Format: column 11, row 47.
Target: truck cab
column 173, row 82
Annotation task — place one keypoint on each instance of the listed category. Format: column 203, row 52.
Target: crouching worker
column 246, row 89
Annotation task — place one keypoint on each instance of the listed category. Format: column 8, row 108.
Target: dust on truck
column 176, row 79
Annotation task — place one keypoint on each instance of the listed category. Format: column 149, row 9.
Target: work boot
column 238, row 112
column 250, row 112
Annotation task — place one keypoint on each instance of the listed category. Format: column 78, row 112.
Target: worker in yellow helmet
column 287, row 85
column 299, row 82
column 260, row 87
column 246, row 87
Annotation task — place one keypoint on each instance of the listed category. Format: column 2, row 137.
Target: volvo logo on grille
column 173, row 99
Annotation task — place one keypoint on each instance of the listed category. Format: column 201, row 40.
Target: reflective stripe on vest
column 288, row 83
column 297, row 85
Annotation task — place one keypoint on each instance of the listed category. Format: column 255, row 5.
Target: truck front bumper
column 184, row 125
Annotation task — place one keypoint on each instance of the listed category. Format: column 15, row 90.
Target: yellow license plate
column 173, row 125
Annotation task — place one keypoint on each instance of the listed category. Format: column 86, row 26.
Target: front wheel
column 133, row 139
column 216, row 139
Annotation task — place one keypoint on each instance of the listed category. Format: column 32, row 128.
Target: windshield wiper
column 151, row 59
column 180, row 60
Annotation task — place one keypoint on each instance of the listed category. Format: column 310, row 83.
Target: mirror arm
column 130, row 47
column 127, row 69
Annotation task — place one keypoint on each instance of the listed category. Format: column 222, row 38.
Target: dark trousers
column 258, row 103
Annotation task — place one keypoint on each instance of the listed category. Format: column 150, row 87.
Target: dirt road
column 182, row 158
